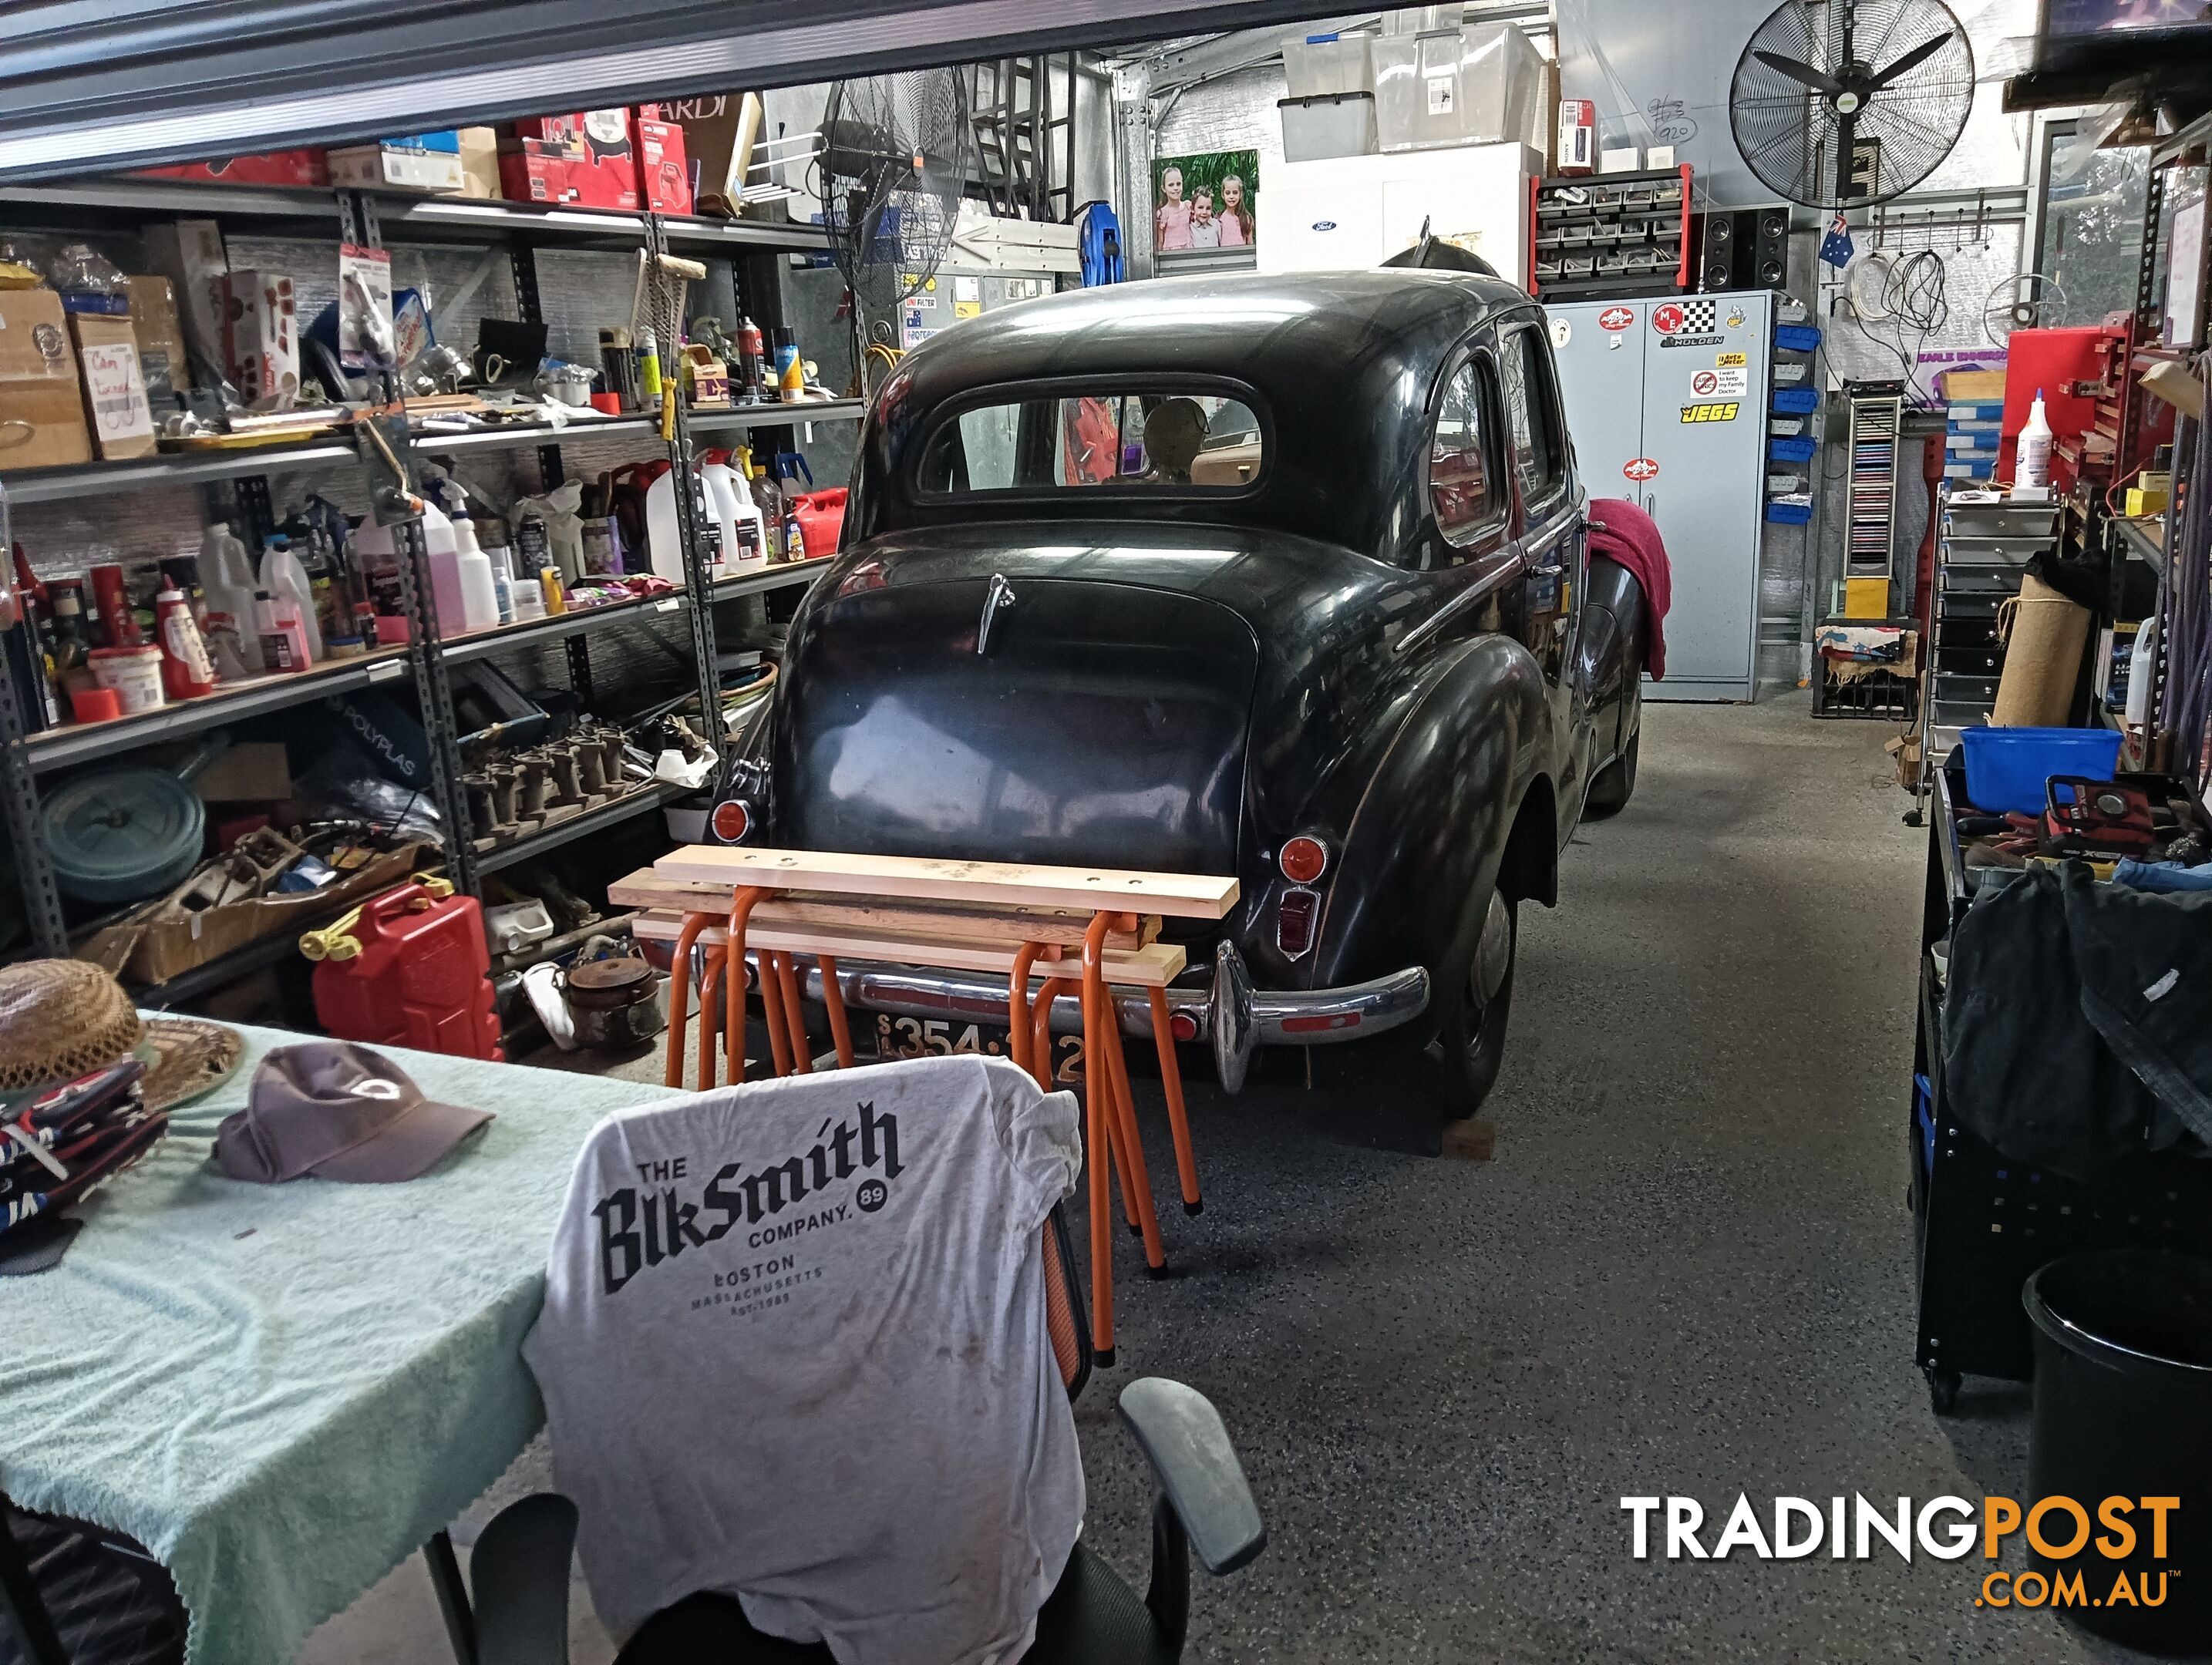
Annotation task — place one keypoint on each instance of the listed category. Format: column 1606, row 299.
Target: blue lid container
column 1790, row 450
column 2010, row 768
column 1797, row 401
column 1789, row 514
column 1796, row 337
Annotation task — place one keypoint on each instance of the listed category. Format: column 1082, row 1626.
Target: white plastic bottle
column 744, row 541
column 445, row 563
column 281, row 575
column 479, row 589
column 2032, row 466
column 227, row 581
column 666, row 535
column 502, row 582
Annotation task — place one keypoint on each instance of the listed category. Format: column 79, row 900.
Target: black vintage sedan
column 1280, row 577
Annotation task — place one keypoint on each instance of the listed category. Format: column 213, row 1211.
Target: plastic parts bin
column 1325, row 124
column 2123, row 1409
column 2007, row 768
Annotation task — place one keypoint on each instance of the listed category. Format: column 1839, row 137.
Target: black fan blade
column 1847, row 143
column 1800, row 72
column 1913, row 59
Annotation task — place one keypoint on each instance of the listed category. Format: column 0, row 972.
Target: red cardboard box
column 290, row 167
column 537, row 171
column 664, row 177
column 603, row 162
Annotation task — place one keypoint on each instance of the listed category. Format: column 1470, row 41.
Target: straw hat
column 63, row 1018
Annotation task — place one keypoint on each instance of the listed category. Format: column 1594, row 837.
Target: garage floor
column 1688, row 1271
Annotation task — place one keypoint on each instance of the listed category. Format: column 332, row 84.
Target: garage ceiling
column 92, row 85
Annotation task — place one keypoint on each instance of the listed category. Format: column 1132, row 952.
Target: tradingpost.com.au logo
column 2057, row 1529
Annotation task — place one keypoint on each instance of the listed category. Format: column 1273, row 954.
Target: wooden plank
column 645, row 889
column 1154, row 966
column 1474, row 1140
column 1006, row 884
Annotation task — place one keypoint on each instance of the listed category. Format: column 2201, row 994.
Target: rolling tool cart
column 1983, row 1223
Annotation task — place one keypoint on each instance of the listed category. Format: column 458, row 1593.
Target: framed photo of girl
column 1205, row 201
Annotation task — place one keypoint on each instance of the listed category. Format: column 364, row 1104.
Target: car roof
column 1276, row 332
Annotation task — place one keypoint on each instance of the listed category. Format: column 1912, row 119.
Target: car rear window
column 1121, row 441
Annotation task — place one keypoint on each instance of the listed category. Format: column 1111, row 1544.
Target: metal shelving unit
column 375, row 219
column 49, row 485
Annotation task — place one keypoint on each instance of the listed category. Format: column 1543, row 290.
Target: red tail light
column 1295, row 914
column 730, row 820
column 1303, row 859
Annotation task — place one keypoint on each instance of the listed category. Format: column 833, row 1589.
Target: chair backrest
column 812, row 1342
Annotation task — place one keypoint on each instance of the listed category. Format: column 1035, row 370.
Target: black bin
column 2124, row 1409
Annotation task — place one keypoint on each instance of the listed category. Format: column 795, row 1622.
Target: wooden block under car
column 1474, row 1140
column 115, row 404
column 41, row 411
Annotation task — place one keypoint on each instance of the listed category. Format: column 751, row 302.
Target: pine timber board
column 1002, row 884
column 645, row 888
column 1153, row 966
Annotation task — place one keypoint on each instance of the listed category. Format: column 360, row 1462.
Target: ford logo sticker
column 1324, row 225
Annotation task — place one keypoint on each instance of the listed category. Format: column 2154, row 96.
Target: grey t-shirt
column 794, row 1348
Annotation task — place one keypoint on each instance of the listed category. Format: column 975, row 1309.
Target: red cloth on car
column 1621, row 531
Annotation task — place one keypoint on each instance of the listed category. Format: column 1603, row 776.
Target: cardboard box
column 41, row 408
column 479, row 155
column 190, row 254
column 718, row 132
column 251, row 772
column 664, row 176
column 115, row 410
column 161, row 343
column 602, row 159
column 536, row 171
column 261, row 337
column 400, row 165
column 299, row 168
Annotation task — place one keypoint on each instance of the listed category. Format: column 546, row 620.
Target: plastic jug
column 479, row 588
column 407, row 967
column 745, row 534
column 663, row 536
column 226, row 582
column 281, row 575
column 445, row 562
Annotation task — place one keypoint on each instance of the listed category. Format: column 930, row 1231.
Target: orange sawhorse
column 1110, row 1118
column 723, row 977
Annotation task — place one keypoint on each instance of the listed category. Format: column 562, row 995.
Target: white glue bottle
column 2031, row 465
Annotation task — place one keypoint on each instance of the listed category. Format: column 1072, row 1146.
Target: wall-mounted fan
column 894, row 159
column 1841, row 103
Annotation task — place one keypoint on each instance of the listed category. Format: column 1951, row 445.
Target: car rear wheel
column 1615, row 783
column 1474, row 1034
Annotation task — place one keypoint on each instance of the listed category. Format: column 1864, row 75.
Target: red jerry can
column 407, row 967
column 821, row 521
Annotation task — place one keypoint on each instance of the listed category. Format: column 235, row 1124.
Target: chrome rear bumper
column 1229, row 1014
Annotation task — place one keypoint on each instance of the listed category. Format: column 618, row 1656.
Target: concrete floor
column 1688, row 1271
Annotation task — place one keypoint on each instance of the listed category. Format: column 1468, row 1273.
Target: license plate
column 942, row 1037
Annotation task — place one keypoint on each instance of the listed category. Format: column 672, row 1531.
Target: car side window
column 1532, row 415
column 1466, row 484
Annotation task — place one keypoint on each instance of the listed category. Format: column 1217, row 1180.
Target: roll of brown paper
column 2044, row 633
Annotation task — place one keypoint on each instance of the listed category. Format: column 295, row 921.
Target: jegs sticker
column 1709, row 412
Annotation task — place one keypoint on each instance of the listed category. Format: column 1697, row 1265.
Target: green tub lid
column 123, row 834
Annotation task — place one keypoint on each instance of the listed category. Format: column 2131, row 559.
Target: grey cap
column 338, row 1111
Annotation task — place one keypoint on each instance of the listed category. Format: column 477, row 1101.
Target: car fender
column 1429, row 832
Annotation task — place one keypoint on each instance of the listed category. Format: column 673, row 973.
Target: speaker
column 1770, row 253
column 1717, row 247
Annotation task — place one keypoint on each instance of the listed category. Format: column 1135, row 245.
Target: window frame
column 1533, row 508
column 1171, row 384
column 1480, row 356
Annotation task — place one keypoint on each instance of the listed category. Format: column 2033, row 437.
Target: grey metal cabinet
column 1667, row 403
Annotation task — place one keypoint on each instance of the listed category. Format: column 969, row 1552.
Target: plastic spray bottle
column 2032, row 465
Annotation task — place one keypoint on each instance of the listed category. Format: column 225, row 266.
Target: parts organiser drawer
column 1972, row 659
column 1968, row 551
column 1998, row 520
column 1980, row 581
column 1979, row 691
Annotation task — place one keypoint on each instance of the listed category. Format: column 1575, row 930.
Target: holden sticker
column 1640, row 469
column 1563, row 331
column 1615, row 318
